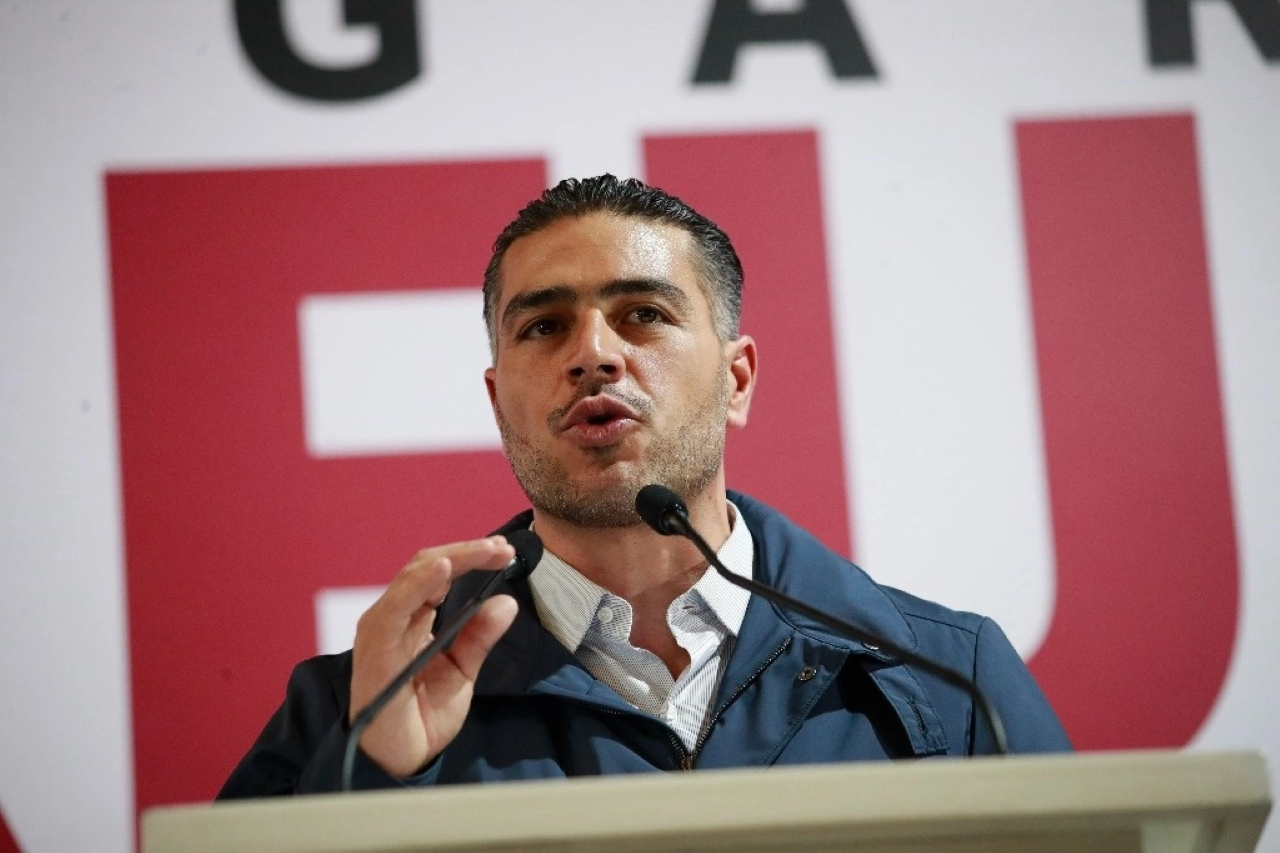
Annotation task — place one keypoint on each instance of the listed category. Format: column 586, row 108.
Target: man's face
column 609, row 375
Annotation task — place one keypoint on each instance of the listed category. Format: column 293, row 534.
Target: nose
column 596, row 352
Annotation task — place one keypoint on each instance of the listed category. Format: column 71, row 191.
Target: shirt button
column 807, row 673
column 604, row 615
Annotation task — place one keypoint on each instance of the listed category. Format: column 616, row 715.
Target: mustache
column 640, row 405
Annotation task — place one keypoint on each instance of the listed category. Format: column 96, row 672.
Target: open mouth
column 599, row 420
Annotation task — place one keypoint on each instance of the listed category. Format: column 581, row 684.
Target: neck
column 636, row 563
column 647, row 569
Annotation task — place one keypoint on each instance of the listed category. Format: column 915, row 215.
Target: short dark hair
column 716, row 261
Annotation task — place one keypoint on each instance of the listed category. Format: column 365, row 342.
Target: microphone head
column 528, row 554
column 661, row 509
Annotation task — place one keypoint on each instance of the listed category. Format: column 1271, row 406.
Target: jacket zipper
column 686, row 759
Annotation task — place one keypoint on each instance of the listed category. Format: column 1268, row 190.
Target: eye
column 647, row 314
column 541, row 328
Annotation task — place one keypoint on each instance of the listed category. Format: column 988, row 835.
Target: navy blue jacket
column 793, row 692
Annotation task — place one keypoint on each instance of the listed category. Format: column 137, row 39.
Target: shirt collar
column 567, row 602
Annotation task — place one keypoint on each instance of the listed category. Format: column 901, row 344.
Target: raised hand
column 421, row 721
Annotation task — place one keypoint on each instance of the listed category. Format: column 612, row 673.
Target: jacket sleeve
column 300, row 750
column 1030, row 723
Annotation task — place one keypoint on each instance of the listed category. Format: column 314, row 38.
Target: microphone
column 528, row 553
column 664, row 511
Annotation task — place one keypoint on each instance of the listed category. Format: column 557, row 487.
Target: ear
column 491, row 385
column 742, row 377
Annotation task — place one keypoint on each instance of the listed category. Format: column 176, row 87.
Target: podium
column 1134, row 801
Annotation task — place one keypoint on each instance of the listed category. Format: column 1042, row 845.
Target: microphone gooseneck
column 664, row 511
column 528, row 553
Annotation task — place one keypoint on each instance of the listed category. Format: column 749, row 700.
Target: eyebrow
column 561, row 294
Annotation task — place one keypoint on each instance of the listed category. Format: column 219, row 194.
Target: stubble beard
column 685, row 458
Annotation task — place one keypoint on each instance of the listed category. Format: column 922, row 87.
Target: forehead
column 589, row 251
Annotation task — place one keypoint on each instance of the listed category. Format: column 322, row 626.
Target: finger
column 489, row 552
column 420, row 622
column 426, row 579
column 482, row 633
column 409, row 600
column 444, row 688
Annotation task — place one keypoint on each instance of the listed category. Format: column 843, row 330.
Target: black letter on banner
column 261, row 27
column 829, row 23
column 1169, row 40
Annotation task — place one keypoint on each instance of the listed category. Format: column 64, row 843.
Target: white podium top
column 1143, row 801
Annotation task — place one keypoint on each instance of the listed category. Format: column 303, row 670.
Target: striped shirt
column 595, row 625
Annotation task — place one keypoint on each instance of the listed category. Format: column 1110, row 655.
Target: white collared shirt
column 595, row 625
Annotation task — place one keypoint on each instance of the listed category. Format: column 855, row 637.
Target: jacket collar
column 529, row 659
column 816, row 574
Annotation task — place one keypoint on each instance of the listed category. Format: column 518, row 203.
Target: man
column 612, row 310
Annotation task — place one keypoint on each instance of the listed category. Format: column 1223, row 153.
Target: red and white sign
column 1008, row 262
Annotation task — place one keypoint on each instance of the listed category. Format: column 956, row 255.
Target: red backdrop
column 231, row 527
